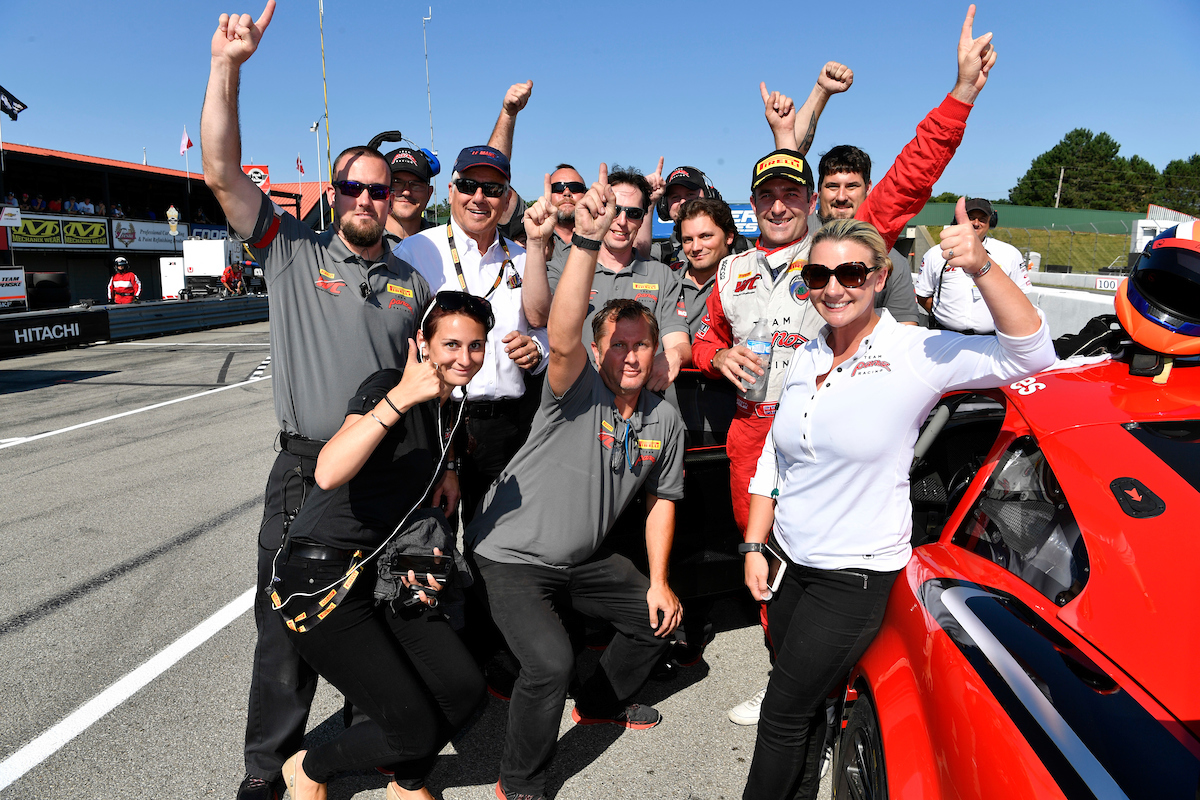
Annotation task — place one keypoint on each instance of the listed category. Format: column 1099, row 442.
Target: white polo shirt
column 959, row 306
column 839, row 454
column 429, row 253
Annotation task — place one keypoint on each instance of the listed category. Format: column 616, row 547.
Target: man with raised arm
column 342, row 307
column 765, row 283
column 597, row 440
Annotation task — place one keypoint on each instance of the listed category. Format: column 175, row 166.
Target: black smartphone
column 439, row 567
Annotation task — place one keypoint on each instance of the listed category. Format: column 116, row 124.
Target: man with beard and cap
column 342, row 307
column 765, row 283
column 566, row 187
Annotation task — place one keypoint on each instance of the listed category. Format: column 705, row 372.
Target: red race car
column 1044, row 639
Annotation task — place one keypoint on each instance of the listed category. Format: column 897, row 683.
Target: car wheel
column 859, row 772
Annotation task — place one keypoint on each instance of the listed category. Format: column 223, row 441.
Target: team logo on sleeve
column 681, row 309
column 798, row 289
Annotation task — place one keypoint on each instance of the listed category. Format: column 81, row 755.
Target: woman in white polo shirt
column 831, row 487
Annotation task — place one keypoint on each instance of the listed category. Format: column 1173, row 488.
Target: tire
column 859, row 771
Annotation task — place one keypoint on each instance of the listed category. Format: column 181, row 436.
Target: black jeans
column 281, row 684
column 524, row 600
column 406, row 669
column 820, row 622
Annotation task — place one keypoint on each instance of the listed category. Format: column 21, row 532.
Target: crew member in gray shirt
column 597, row 440
column 342, row 307
column 620, row 273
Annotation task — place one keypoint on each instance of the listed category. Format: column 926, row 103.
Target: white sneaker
column 746, row 713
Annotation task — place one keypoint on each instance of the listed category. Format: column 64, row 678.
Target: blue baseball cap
column 483, row 156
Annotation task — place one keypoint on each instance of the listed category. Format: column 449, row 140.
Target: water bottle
column 759, row 343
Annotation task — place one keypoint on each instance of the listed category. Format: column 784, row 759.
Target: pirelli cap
column 1159, row 304
column 407, row 159
column 787, row 164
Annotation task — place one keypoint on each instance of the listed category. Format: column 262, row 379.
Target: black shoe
column 500, row 680
column 255, row 788
column 686, row 655
column 637, row 717
column 503, row 795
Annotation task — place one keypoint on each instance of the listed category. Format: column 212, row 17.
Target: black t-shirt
column 364, row 511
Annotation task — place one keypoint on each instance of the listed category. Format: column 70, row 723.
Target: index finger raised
column 602, row 175
column 660, row 166
column 968, row 24
column 264, row 19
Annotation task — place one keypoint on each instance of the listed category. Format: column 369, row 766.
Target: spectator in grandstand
column 201, row 217
column 70, row 207
column 117, row 212
column 101, row 209
column 951, row 299
column 833, row 504
column 25, row 206
column 86, row 207
column 55, row 205
column 10, row 199
column 398, row 661
column 39, row 204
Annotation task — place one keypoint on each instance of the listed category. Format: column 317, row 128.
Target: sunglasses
column 851, row 275
column 632, row 212
column 451, row 302
column 399, row 187
column 376, row 191
column 575, row 187
column 470, row 186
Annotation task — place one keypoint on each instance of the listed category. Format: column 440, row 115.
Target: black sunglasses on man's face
column 470, row 186
column 561, row 187
column 376, row 191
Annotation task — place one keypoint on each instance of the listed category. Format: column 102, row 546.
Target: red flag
column 299, row 165
column 185, row 142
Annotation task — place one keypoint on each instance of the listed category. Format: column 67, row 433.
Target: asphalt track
column 133, row 477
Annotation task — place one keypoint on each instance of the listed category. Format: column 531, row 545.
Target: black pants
column 524, row 600
column 820, row 622
column 281, row 684
column 405, row 668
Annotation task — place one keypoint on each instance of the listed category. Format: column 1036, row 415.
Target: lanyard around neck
column 462, row 282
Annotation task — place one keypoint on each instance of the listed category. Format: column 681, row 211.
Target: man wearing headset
column 412, row 173
column 950, row 296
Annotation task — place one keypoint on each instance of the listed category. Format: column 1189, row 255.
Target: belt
column 318, row 552
column 745, row 408
column 490, row 409
column 300, row 445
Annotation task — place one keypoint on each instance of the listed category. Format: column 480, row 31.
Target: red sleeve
column 714, row 334
column 906, row 187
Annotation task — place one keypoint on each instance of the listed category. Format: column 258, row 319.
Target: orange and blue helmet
column 1159, row 304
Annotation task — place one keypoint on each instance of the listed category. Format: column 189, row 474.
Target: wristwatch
column 451, row 465
column 584, row 243
column 751, row 547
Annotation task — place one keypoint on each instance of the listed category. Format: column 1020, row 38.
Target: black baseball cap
column 406, row 159
column 979, row 204
column 686, row 176
column 787, row 164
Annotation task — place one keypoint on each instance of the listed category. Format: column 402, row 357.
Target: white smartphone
column 776, row 566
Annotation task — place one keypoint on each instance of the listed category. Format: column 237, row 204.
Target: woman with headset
column 401, row 664
column 829, row 502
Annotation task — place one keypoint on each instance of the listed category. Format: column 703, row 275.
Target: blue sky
column 623, row 82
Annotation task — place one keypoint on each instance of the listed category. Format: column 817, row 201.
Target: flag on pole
column 184, row 143
column 10, row 105
column 299, row 164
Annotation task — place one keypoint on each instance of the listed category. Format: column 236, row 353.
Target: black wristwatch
column 584, row 243
column 451, row 465
column 751, row 547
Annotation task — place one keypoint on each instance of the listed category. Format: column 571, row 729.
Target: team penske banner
column 12, row 289
column 137, row 235
column 54, row 232
column 743, row 217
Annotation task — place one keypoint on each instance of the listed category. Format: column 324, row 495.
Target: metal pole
column 316, row 129
column 429, row 97
column 1058, row 193
column 1095, row 243
column 325, row 91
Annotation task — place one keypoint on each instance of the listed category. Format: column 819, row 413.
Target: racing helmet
column 120, row 263
column 1159, row 303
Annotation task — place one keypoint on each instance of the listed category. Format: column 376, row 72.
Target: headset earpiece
column 435, row 166
column 995, row 219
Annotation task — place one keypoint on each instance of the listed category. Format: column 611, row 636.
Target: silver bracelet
column 983, row 271
column 377, row 419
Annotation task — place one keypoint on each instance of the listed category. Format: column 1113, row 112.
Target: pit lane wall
column 38, row 331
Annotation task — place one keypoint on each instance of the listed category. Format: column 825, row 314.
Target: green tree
column 1094, row 175
column 1180, row 186
column 945, row 197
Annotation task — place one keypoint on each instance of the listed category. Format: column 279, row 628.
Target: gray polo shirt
column 558, row 256
column 326, row 337
column 651, row 283
column 557, row 499
column 695, row 300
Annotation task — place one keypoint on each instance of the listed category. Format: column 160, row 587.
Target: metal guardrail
column 174, row 316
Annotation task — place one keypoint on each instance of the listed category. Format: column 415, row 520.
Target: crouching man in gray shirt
column 538, row 538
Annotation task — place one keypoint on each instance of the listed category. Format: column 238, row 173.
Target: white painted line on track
column 192, row 344
column 23, row 439
column 44, row 746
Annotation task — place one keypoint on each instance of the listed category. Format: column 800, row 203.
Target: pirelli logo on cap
column 650, row 444
column 780, row 160
column 400, row 290
column 646, row 287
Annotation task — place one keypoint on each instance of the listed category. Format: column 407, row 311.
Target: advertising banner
column 743, row 216
column 210, row 232
column 55, row 232
column 28, row 333
column 260, row 175
column 10, row 216
column 38, row 231
column 137, row 235
column 12, row 289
